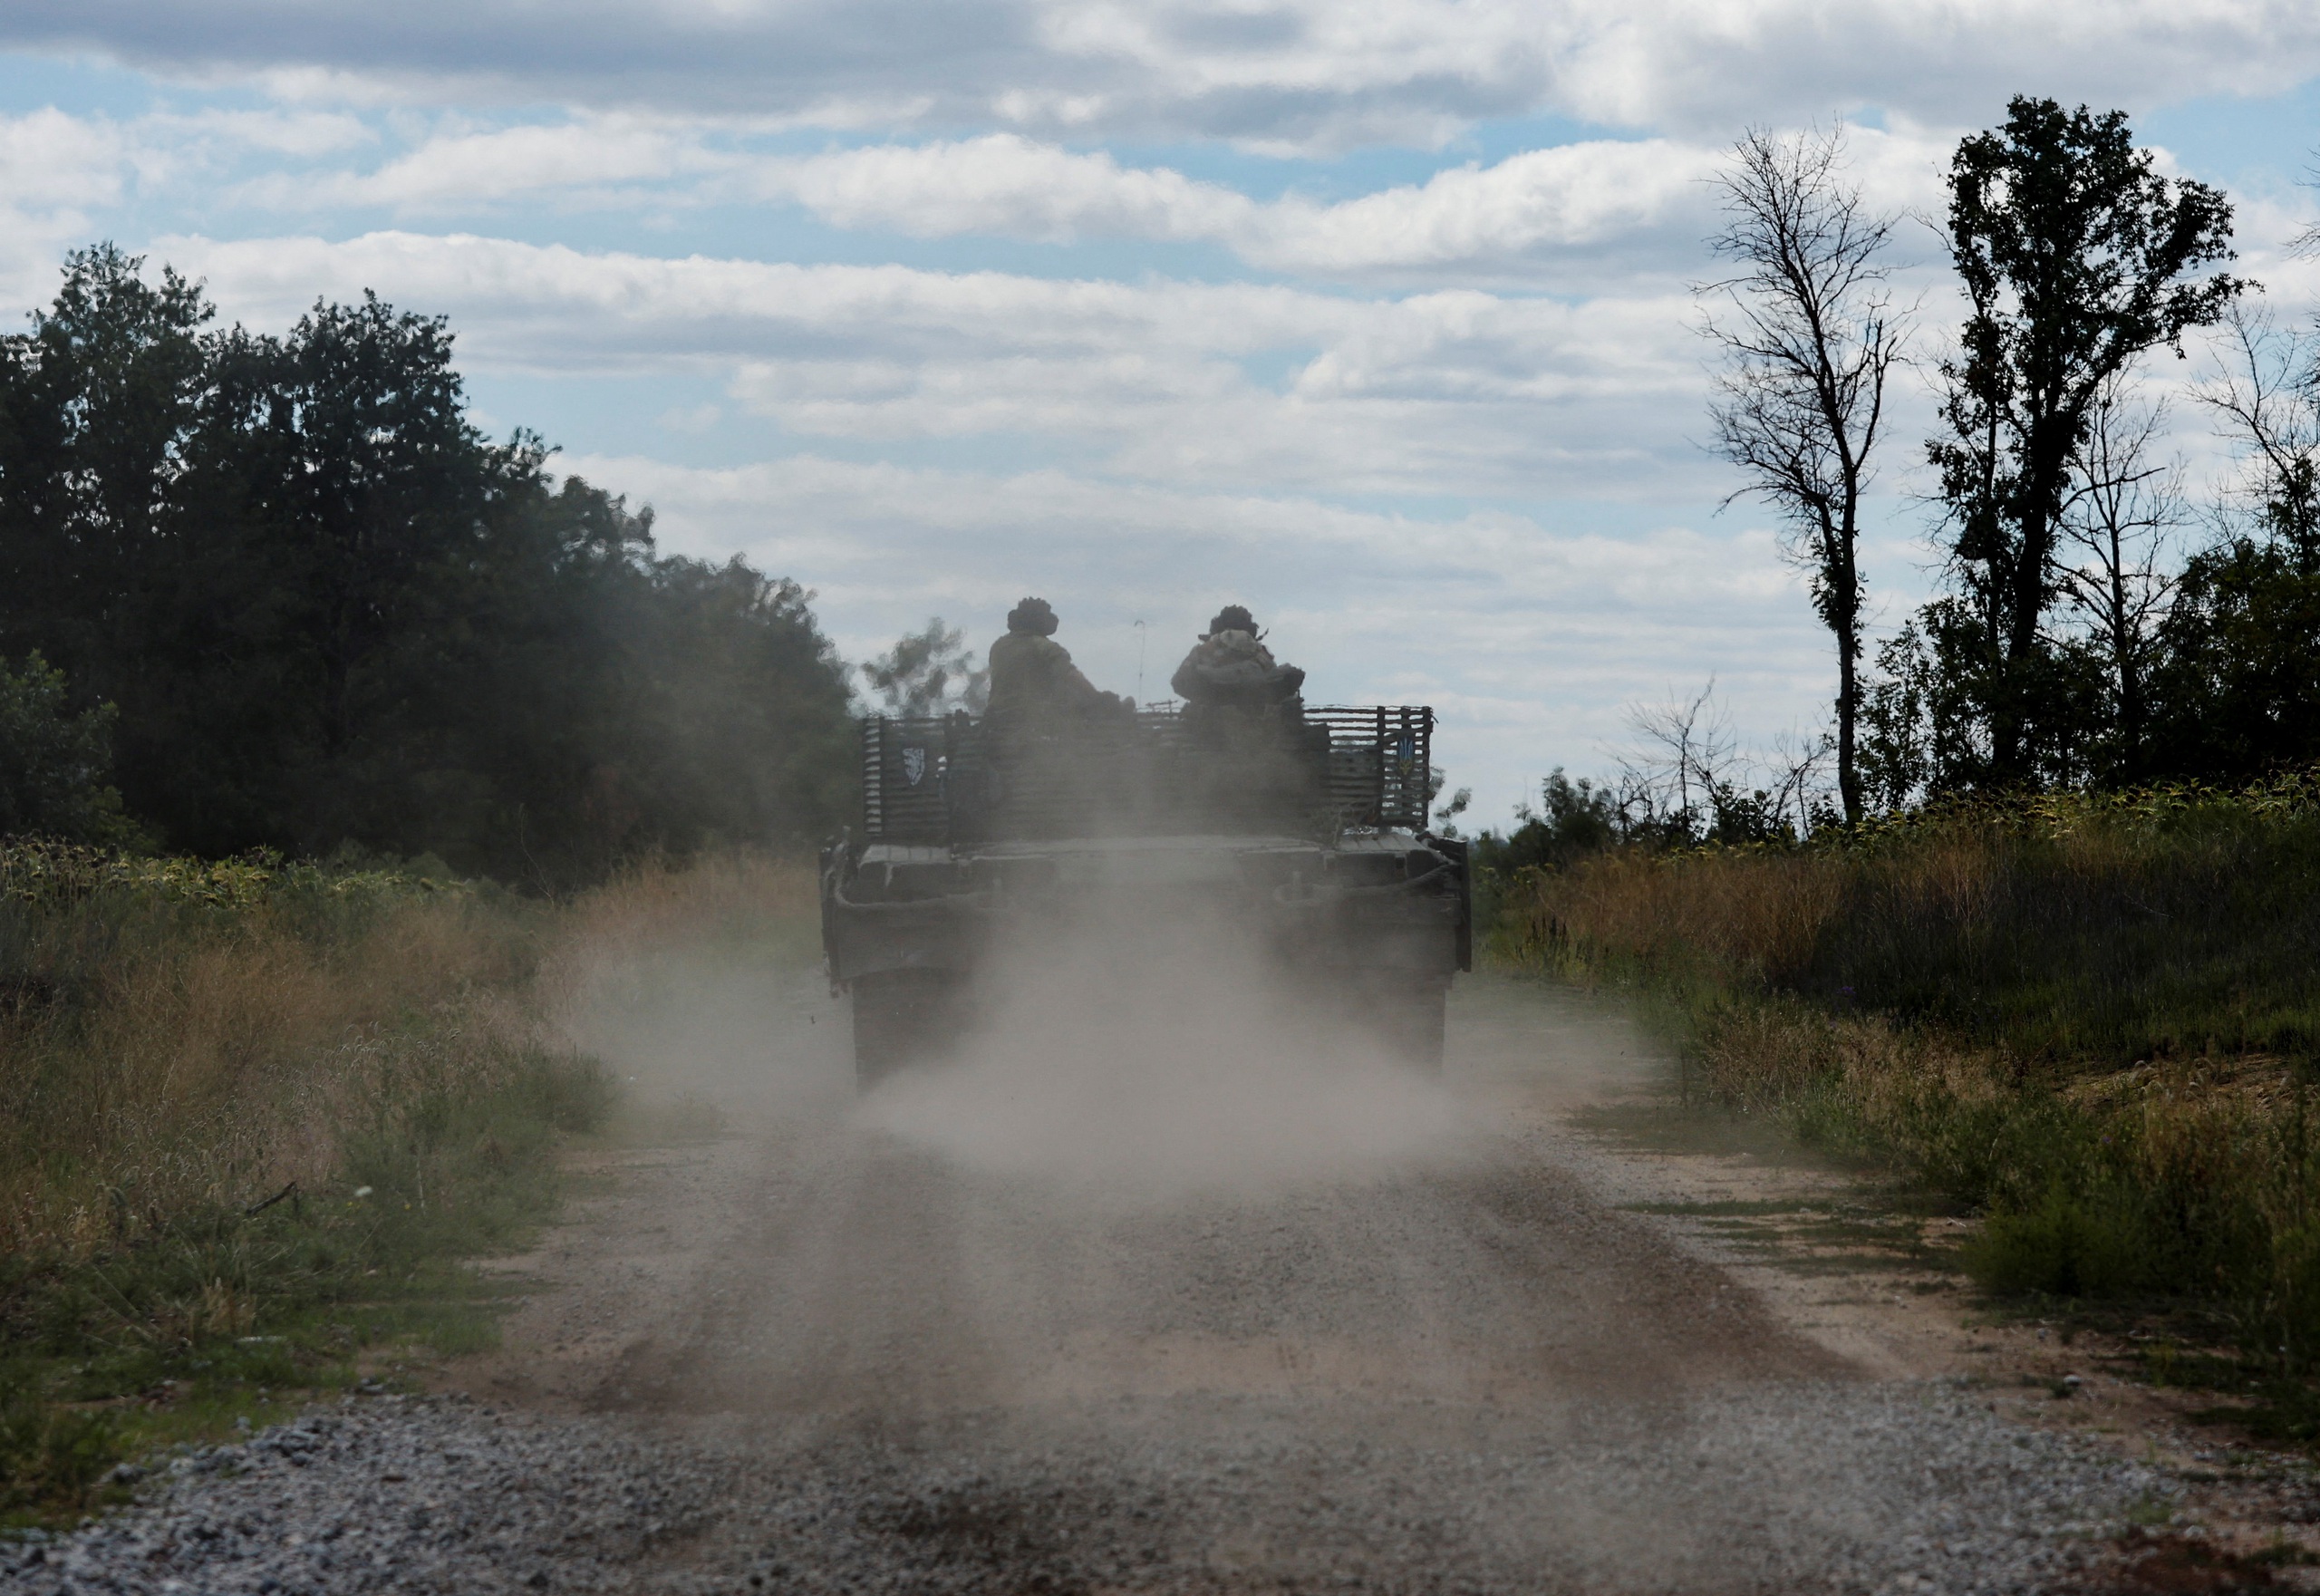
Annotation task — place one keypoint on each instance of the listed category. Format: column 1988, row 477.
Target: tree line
column 2093, row 626
column 295, row 599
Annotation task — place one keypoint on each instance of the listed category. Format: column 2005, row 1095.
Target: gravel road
column 1007, row 1329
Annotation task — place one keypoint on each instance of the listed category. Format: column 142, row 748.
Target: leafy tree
column 762, row 731
column 342, row 524
column 2077, row 258
column 1924, row 719
column 95, row 403
column 54, row 761
column 1898, row 760
column 1572, row 820
column 2239, row 685
column 333, row 613
column 1808, row 340
column 380, row 487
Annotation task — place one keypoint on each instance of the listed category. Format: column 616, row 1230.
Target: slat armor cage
column 959, row 780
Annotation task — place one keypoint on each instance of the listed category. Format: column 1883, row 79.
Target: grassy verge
column 2095, row 1022
column 252, row 1117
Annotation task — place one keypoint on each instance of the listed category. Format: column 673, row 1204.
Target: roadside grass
column 254, row 1116
column 2095, row 1022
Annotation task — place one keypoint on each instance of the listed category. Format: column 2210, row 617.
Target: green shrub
column 56, row 765
column 2063, row 1245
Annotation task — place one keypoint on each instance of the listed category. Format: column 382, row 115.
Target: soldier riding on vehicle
column 1246, row 722
column 1062, row 811
column 1045, row 721
column 1033, row 675
column 1232, row 665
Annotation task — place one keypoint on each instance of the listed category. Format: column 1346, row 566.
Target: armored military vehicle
column 1304, row 829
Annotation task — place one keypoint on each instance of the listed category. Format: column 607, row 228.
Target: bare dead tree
column 1684, row 748
column 2268, row 401
column 1795, row 767
column 1806, row 334
column 2115, row 548
column 1686, row 776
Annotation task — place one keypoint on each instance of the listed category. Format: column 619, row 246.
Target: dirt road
column 1202, row 1327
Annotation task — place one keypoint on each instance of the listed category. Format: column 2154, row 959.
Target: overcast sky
column 1373, row 314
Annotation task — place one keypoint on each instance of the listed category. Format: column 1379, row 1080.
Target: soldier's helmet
column 1233, row 618
column 1033, row 615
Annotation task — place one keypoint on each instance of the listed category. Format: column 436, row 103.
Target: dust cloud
column 1169, row 1277
column 1140, row 1062
column 1126, row 1056
column 708, row 1039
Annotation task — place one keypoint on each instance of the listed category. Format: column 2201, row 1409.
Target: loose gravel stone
column 1839, row 1487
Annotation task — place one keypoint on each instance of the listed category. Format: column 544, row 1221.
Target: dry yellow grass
column 734, row 898
column 1754, row 920
column 182, row 1041
column 209, row 1063
column 160, row 1057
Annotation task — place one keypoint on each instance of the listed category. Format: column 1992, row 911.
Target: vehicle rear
column 1291, row 841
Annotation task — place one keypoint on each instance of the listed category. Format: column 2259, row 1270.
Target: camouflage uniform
column 1232, row 667
column 1047, row 732
column 1252, row 757
column 1033, row 675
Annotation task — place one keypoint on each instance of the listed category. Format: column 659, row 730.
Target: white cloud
column 1531, row 215
column 55, row 170
column 1275, row 74
column 60, row 173
column 1006, row 185
column 695, row 418
column 1573, row 195
column 1494, row 395
column 640, row 305
column 599, row 156
column 48, row 159
column 300, row 133
column 1543, row 203
column 1571, row 217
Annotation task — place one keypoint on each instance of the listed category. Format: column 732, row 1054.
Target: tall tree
column 332, row 612
column 1807, row 334
column 95, row 403
column 382, row 485
column 342, row 521
column 2076, row 257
